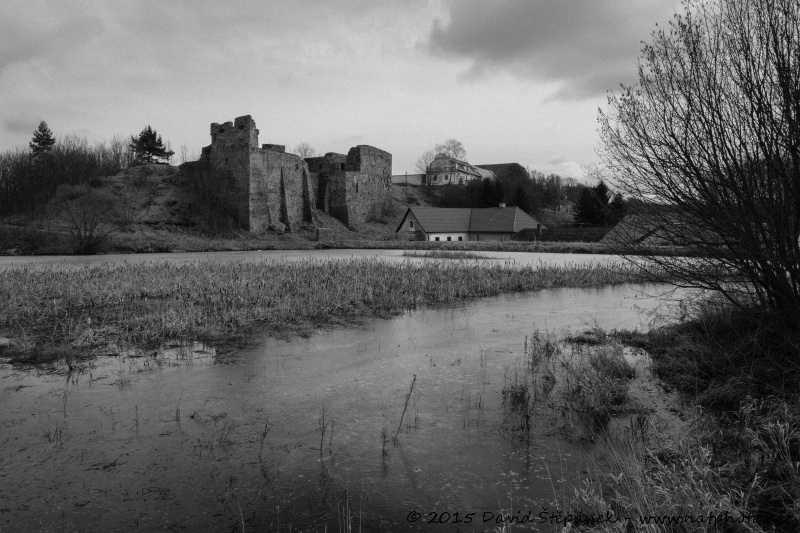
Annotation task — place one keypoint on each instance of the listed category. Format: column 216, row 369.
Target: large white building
column 446, row 170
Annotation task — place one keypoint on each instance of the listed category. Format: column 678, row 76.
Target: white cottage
column 464, row 224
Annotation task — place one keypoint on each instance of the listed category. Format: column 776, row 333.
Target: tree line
column 535, row 192
column 30, row 177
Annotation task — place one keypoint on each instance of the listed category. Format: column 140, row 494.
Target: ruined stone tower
column 352, row 187
column 266, row 186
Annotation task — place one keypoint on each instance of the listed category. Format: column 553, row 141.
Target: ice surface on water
column 178, row 438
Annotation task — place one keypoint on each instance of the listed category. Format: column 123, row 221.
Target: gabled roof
column 501, row 170
column 453, row 159
column 485, row 173
column 466, row 220
column 501, row 220
column 439, row 219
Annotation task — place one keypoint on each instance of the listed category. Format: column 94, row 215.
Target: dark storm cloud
column 586, row 46
column 23, row 40
column 18, row 125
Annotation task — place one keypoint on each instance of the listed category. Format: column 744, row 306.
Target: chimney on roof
column 502, row 204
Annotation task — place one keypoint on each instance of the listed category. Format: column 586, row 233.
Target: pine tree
column 149, row 148
column 598, row 206
column 617, row 209
column 586, row 211
column 43, row 139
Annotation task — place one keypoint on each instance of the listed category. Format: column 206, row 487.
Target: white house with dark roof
column 464, row 224
column 446, row 170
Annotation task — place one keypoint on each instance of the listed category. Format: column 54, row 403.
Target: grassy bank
column 651, row 474
column 31, row 241
column 493, row 246
column 739, row 374
column 742, row 367
column 46, row 310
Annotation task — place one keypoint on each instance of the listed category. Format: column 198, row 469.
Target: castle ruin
column 352, row 187
column 267, row 187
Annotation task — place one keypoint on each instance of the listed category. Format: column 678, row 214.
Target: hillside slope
column 154, row 208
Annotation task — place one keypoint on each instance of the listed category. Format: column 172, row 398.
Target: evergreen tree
column 602, row 194
column 598, row 206
column 522, row 199
column 149, row 148
column 617, row 209
column 43, row 139
column 586, row 211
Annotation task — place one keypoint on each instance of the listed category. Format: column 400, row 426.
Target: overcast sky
column 513, row 80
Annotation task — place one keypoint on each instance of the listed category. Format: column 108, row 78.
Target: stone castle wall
column 352, row 187
column 369, row 181
column 280, row 191
column 267, row 186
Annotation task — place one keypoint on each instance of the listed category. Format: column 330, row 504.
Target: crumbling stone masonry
column 352, row 187
column 266, row 186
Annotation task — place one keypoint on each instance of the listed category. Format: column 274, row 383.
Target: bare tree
column 450, row 147
column 425, row 160
column 708, row 146
column 453, row 148
column 89, row 214
column 305, row 150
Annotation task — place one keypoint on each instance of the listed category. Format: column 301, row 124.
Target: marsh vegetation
column 445, row 254
column 53, row 310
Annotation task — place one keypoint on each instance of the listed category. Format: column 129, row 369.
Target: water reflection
column 302, row 433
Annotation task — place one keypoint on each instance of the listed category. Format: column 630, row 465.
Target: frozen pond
column 289, row 436
column 518, row 258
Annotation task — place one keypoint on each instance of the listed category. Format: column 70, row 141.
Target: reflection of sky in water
column 185, row 427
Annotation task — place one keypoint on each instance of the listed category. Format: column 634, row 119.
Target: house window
column 437, row 238
column 411, row 224
column 449, row 238
column 460, row 238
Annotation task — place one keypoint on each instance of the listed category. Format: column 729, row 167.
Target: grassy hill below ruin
column 155, row 208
